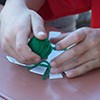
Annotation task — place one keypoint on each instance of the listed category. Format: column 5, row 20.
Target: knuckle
column 61, row 45
column 74, row 51
column 19, row 47
column 77, row 38
column 86, row 68
column 56, row 63
column 23, row 60
column 75, row 60
column 80, row 36
column 31, row 57
column 83, row 33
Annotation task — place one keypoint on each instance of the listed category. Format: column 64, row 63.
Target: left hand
column 82, row 57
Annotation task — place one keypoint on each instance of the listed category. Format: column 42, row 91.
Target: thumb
column 58, row 38
column 38, row 26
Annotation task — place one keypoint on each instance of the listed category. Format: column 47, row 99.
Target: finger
column 82, row 69
column 73, row 38
column 86, row 57
column 69, row 54
column 38, row 26
column 9, row 50
column 58, row 38
column 24, row 51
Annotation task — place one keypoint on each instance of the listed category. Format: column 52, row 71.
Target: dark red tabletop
column 17, row 83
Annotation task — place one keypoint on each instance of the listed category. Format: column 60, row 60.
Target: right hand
column 17, row 23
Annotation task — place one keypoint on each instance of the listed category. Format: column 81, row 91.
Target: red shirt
column 53, row 9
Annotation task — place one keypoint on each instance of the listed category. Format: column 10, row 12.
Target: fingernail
column 53, row 64
column 57, row 47
column 54, row 70
column 69, row 74
column 41, row 33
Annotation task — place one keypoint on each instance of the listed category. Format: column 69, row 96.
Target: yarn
column 43, row 48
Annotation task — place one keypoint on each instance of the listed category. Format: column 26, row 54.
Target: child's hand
column 17, row 23
column 81, row 58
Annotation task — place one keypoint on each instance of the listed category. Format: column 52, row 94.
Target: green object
column 47, row 65
column 43, row 48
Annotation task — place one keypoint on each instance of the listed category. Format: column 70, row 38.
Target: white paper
column 39, row 69
column 55, row 76
column 13, row 60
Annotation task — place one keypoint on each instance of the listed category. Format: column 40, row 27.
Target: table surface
column 17, row 83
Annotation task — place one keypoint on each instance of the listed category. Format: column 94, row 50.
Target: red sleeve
column 53, row 9
column 95, row 20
